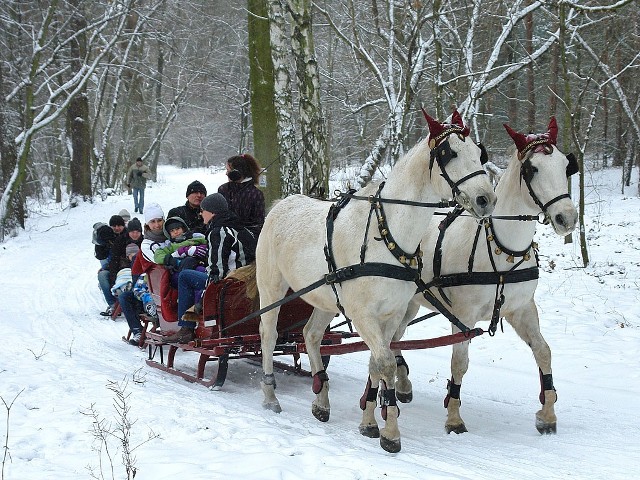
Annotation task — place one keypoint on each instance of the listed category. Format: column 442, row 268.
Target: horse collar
column 413, row 260
column 500, row 248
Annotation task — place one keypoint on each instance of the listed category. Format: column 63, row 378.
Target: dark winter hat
column 215, row 203
column 116, row 220
column 104, row 235
column 139, row 159
column 134, row 225
column 173, row 222
column 196, row 187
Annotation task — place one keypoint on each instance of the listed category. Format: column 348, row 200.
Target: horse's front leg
column 268, row 338
column 459, row 366
column 313, row 333
column 525, row 322
column 404, row 389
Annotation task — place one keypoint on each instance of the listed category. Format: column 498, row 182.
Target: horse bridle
column 442, row 154
column 527, row 172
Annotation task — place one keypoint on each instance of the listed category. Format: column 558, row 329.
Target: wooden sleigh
column 221, row 333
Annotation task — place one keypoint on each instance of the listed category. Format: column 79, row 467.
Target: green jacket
column 137, row 177
column 160, row 253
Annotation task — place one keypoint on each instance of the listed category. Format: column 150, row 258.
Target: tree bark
column 78, row 113
column 315, row 153
column 263, row 115
column 281, row 53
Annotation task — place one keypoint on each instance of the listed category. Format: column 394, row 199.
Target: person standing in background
column 137, row 177
column 241, row 191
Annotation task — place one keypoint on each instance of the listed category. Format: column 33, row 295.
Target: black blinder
column 484, row 156
column 443, row 154
column 527, row 171
column 573, row 166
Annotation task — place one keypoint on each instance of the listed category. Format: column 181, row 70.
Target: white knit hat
column 152, row 211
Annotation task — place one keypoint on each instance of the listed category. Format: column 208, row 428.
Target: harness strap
column 372, row 269
column 484, row 278
column 372, row 198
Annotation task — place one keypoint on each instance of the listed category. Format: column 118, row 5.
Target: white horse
column 535, row 181
column 291, row 253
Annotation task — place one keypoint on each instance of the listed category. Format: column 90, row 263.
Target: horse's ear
column 552, row 131
column 456, row 119
column 518, row 138
column 435, row 127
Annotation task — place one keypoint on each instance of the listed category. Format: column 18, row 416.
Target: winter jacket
column 137, row 176
column 194, row 239
column 151, row 243
column 191, row 216
column 231, row 245
column 119, row 259
column 247, row 202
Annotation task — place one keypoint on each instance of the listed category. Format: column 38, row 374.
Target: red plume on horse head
column 552, row 131
column 436, row 128
column 521, row 140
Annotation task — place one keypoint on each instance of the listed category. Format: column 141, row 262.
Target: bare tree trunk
column 531, row 83
column 263, row 115
column 287, row 145
column 8, row 162
column 78, row 114
column 315, row 153
column 439, row 109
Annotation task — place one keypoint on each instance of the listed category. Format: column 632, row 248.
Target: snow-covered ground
column 59, row 358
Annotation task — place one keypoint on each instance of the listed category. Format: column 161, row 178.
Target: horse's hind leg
column 313, row 334
column 526, row 323
column 268, row 338
column 459, row 366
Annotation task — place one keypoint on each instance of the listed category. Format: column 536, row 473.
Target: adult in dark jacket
column 119, row 259
column 104, row 252
column 241, row 191
column 231, row 246
column 190, row 211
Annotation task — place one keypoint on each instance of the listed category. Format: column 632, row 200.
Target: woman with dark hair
column 241, row 191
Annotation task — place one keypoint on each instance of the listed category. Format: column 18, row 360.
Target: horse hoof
column 456, row 428
column 371, row 431
column 391, row 446
column 273, row 406
column 404, row 397
column 320, row 413
column 546, row 428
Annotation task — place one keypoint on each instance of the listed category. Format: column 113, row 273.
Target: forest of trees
column 309, row 87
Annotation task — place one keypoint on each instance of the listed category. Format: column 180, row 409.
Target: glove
column 139, row 173
column 171, row 263
column 198, row 251
column 215, row 279
column 198, row 308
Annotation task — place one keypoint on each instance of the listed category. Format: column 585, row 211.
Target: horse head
column 460, row 162
column 544, row 170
